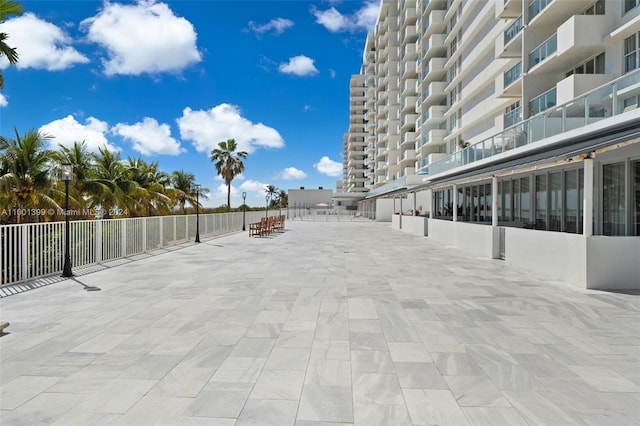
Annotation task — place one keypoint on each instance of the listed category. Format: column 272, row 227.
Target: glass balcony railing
column 513, row 30
column 607, row 101
column 513, row 74
column 513, row 117
column 537, row 6
column 543, row 102
column 541, row 52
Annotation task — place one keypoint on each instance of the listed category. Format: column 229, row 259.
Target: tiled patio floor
column 327, row 323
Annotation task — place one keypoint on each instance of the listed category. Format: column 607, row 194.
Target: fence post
column 144, row 234
column 24, row 261
column 161, row 232
column 98, row 241
column 123, row 235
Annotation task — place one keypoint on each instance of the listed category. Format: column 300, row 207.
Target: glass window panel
column 613, row 199
column 467, row 203
column 525, row 199
column 460, row 201
column 475, row 204
column 600, row 64
column 516, row 200
column 541, row 202
column 581, row 200
column 555, row 201
column 481, row 204
column 571, row 201
column 635, row 167
column 500, row 201
column 489, row 200
column 590, row 66
column 507, row 201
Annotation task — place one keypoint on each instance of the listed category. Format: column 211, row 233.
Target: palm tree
column 183, row 184
column 272, row 192
column 228, row 163
column 8, row 8
column 149, row 195
column 111, row 172
column 25, row 180
column 85, row 189
column 283, row 198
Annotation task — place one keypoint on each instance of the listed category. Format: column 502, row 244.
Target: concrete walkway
column 327, row 323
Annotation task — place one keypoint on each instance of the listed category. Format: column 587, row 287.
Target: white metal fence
column 34, row 250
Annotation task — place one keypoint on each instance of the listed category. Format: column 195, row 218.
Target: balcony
column 409, row 70
column 409, row 104
column 409, row 87
column 508, row 8
column 578, row 84
column 606, row 102
column 552, row 13
column 513, row 117
column 434, row 23
column 409, row 52
column 409, row 16
column 434, row 47
column 409, row 35
column 408, row 140
column 543, row 51
column 509, row 85
column 434, row 115
column 434, row 70
column 408, row 158
column 431, row 139
column 543, row 102
column 582, row 36
column 434, row 93
column 409, row 121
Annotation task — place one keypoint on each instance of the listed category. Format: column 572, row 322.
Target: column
column 494, row 201
column 454, row 200
column 587, row 203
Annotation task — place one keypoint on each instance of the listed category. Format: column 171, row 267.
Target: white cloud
column 299, row 65
column 328, row 167
column 3, row 101
column 148, row 137
column 332, row 73
column 334, row 21
column 277, row 25
column 291, row 173
column 68, row 130
column 143, row 38
column 205, row 129
column 253, row 186
column 40, row 44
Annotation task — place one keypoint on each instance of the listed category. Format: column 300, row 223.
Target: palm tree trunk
column 229, row 197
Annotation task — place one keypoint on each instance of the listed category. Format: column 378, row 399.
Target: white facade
column 525, row 121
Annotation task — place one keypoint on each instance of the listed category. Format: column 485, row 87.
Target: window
column 630, row 4
column 631, row 53
column 595, row 9
column 453, row 46
column 635, row 168
column 541, row 202
column 555, row 201
column 613, row 199
column 453, row 96
column 594, row 65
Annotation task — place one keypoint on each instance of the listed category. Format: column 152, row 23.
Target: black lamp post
column 266, row 211
column 66, row 176
column 197, row 188
column 244, row 209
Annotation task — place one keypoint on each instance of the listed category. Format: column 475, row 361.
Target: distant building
column 516, row 123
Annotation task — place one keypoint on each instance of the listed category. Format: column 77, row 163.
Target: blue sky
column 168, row 80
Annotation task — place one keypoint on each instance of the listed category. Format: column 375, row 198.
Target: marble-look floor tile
column 419, row 375
column 494, row 416
column 371, row 362
column 219, row 400
column 288, row 359
column 326, row 404
column 373, row 388
column 118, row 395
column 408, row 352
column 156, row 410
column 183, row 381
column 380, row 414
column 253, row 347
column 23, row 388
column 264, row 412
column 433, row 407
column 328, row 372
column 331, row 349
column 604, row 379
column 278, row 384
column 239, row 370
column 476, row 391
column 537, row 408
column 456, row 364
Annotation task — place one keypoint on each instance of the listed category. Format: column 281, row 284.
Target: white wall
column 613, row 263
column 558, row 255
column 474, row 239
column 416, row 225
column 384, row 209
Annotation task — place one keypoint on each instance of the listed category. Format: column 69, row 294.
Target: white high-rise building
column 509, row 119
